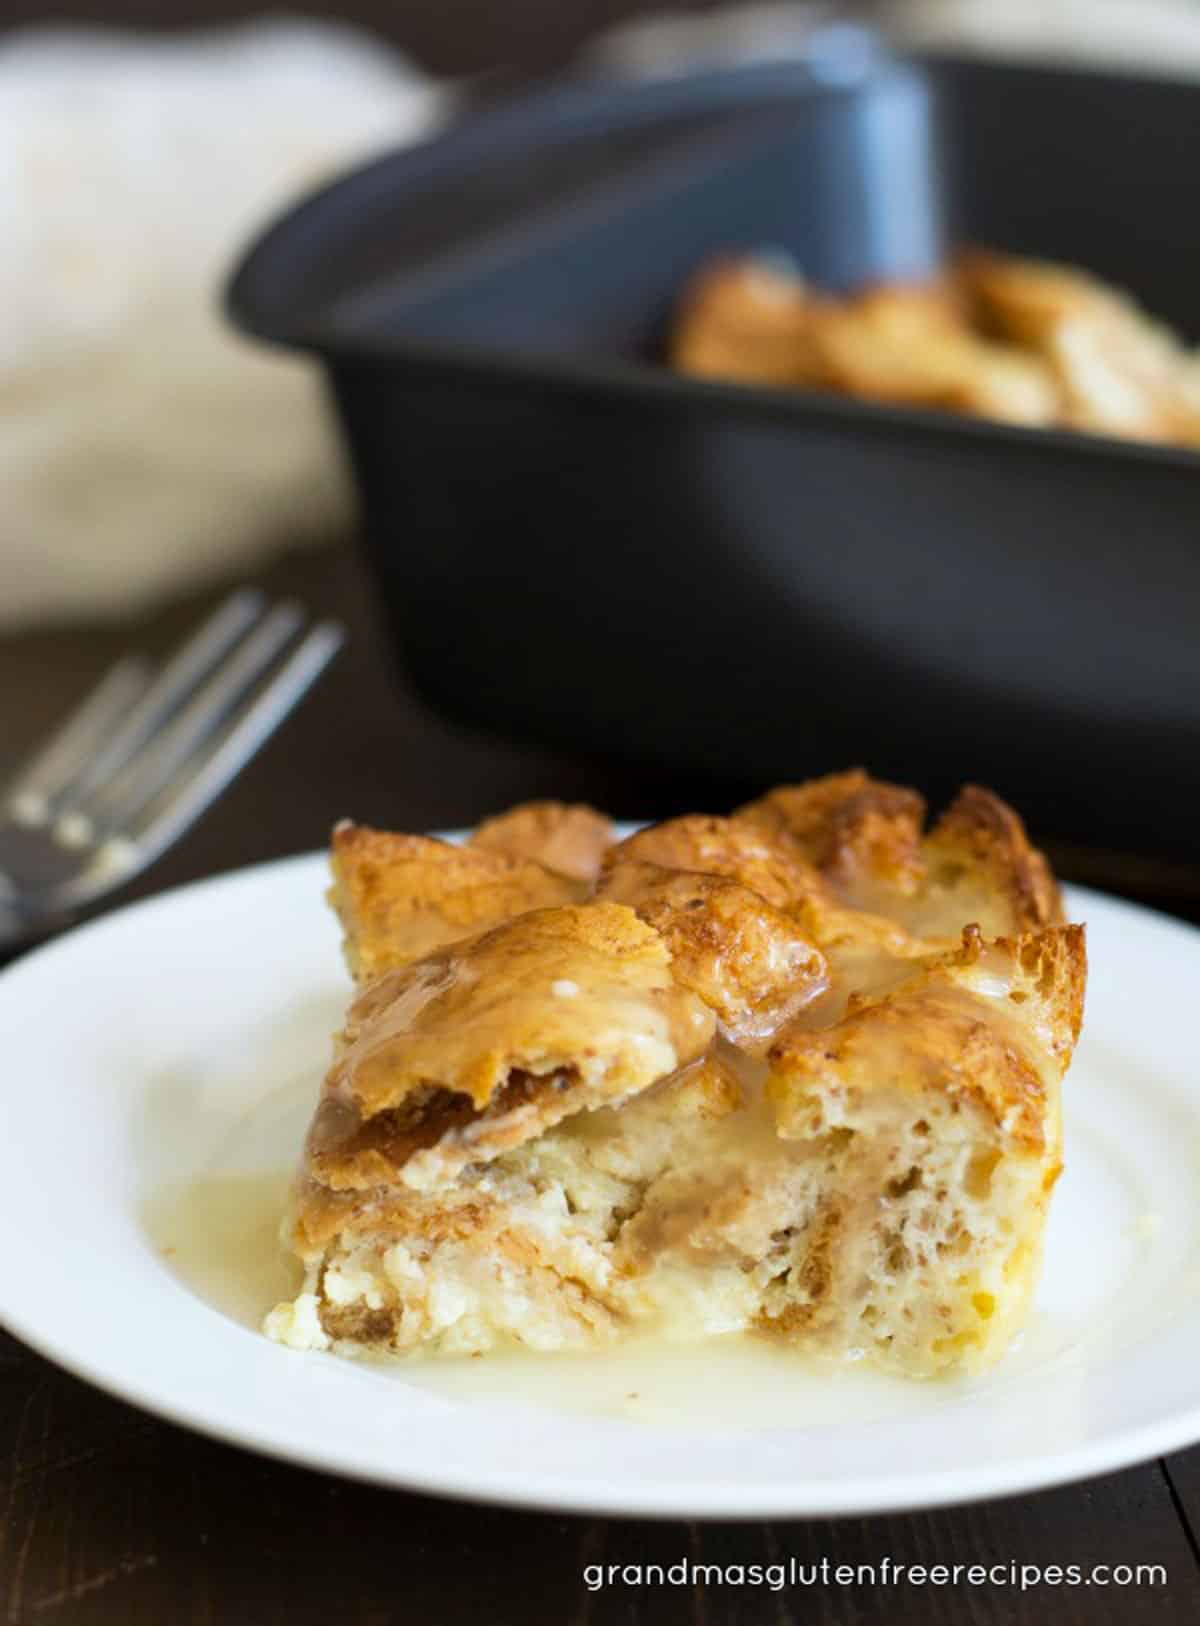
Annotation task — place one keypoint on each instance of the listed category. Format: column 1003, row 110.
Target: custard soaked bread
column 794, row 1072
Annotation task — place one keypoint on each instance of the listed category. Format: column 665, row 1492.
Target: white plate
column 160, row 1066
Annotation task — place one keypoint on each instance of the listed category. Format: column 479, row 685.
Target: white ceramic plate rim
column 667, row 1496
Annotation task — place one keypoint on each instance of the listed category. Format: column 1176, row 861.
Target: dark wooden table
column 114, row 1518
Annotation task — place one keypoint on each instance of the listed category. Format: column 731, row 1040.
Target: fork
column 145, row 754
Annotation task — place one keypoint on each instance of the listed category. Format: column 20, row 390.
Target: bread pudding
column 995, row 336
column 793, row 1072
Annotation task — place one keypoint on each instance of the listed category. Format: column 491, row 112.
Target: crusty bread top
column 400, row 897
column 749, row 961
column 553, row 1011
column 570, row 839
column 993, row 1023
column 865, row 839
column 980, row 868
column 857, row 831
column 821, row 920
column 586, row 988
column 705, row 844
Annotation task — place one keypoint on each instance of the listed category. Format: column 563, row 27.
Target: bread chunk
column 1118, row 372
column 998, row 336
column 912, row 347
column 706, row 845
column 748, row 961
column 570, row 839
column 487, row 1042
column 400, row 897
column 746, row 320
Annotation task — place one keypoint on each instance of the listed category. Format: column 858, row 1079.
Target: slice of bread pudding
column 794, row 1072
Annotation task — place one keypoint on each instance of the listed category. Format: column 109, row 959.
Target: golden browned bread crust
column 400, row 897
column 479, row 1046
column 858, row 831
column 992, row 1022
column 747, row 960
column 865, row 839
column 737, row 848
column 981, row 837
column 568, row 838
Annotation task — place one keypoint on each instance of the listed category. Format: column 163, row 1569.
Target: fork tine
column 174, row 683
column 68, row 752
column 149, row 771
column 213, row 770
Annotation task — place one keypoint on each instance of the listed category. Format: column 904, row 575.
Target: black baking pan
column 576, row 545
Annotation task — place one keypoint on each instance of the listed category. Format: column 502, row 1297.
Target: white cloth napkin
column 143, row 445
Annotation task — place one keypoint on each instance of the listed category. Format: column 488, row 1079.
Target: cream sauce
column 220, row 1235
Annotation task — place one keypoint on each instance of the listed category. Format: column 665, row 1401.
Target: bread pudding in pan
column 792, row 1072
column 995, row 336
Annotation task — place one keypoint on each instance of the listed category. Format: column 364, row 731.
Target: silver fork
column 145, row 754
